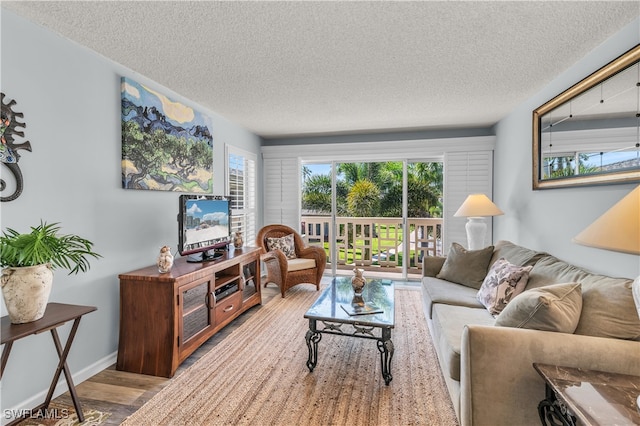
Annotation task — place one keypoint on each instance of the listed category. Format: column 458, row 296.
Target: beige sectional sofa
column 487, row 360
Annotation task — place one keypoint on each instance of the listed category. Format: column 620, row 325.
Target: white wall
column 549, row 219
column 70, row 97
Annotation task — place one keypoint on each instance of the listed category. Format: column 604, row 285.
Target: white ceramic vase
column 26, row 291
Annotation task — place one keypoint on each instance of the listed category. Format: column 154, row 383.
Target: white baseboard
column 61, row 387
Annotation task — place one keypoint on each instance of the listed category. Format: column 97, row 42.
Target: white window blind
column 465, row 173
column 241, row 188
column 281, row 186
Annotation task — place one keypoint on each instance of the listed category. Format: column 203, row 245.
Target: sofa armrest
column 498, row 384
column 431, row 265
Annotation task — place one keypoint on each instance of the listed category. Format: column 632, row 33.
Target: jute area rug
column 258, row 375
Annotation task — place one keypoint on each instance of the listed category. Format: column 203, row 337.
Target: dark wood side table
column 587, row 397
column 56, row 315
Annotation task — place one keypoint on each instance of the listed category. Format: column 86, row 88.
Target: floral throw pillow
column 503, row 282
column 285, row 244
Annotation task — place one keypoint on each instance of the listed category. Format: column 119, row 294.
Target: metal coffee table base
column 384, row 343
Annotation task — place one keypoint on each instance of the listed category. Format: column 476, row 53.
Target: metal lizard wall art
column 8, row 148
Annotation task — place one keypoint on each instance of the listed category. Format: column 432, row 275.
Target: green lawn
column 349, row 258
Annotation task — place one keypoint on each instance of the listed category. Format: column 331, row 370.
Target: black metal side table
column 56, row 315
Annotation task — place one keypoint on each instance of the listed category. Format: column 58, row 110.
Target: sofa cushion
column 448, row 326
column 553, row 308
column 466, row 267
column 435, row 290
column 518, row 255
column 431, row 265
column 503, row 282
column 550, row 270
column 608, row 309
column 285, row 244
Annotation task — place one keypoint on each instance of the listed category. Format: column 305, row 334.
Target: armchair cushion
column 299, row 264
column 285, row 244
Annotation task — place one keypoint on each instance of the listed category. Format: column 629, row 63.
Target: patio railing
column 376, row 242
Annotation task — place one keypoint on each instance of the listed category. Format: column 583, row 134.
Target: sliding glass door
column 379, row 216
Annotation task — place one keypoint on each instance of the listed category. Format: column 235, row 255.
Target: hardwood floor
column 121, row 393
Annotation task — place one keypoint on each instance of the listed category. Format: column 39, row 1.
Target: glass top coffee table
column 336, row 312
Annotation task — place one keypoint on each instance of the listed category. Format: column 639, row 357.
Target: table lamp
column 618, row 229
column 475, row 208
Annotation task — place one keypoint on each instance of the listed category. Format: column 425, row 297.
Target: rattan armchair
column 306, row 268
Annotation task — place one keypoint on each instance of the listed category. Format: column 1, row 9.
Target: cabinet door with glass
column 196, row 313
column 251, row 282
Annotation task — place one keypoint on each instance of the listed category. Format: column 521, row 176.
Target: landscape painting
column 166, row 146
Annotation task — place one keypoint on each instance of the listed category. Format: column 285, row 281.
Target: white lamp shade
column 478, row 205
column 618, row 229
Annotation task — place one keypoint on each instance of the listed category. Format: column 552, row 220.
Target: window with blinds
column 241, row 188
column 282, row 192
column 465, row 173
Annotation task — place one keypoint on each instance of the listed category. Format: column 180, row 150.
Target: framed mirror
column 590, row 133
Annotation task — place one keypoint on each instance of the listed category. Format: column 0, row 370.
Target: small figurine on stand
column 237, row 240
column 165, row 260
column 358, row 281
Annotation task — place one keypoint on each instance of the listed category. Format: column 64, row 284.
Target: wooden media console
column 165, row 317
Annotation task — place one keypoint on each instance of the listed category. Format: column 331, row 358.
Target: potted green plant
column 28, row 261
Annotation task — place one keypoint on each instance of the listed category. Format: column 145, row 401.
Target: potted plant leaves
column 28, row 261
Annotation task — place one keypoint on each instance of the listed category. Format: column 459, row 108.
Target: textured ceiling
column 300, row 68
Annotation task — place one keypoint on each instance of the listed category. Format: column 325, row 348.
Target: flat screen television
column 204, row 226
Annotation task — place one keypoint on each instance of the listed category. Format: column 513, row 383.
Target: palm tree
column 363, row 199
column 424, row 185
column 316, row 194
column 432, row 175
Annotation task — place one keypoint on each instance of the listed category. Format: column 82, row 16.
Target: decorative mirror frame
column 622, row 62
